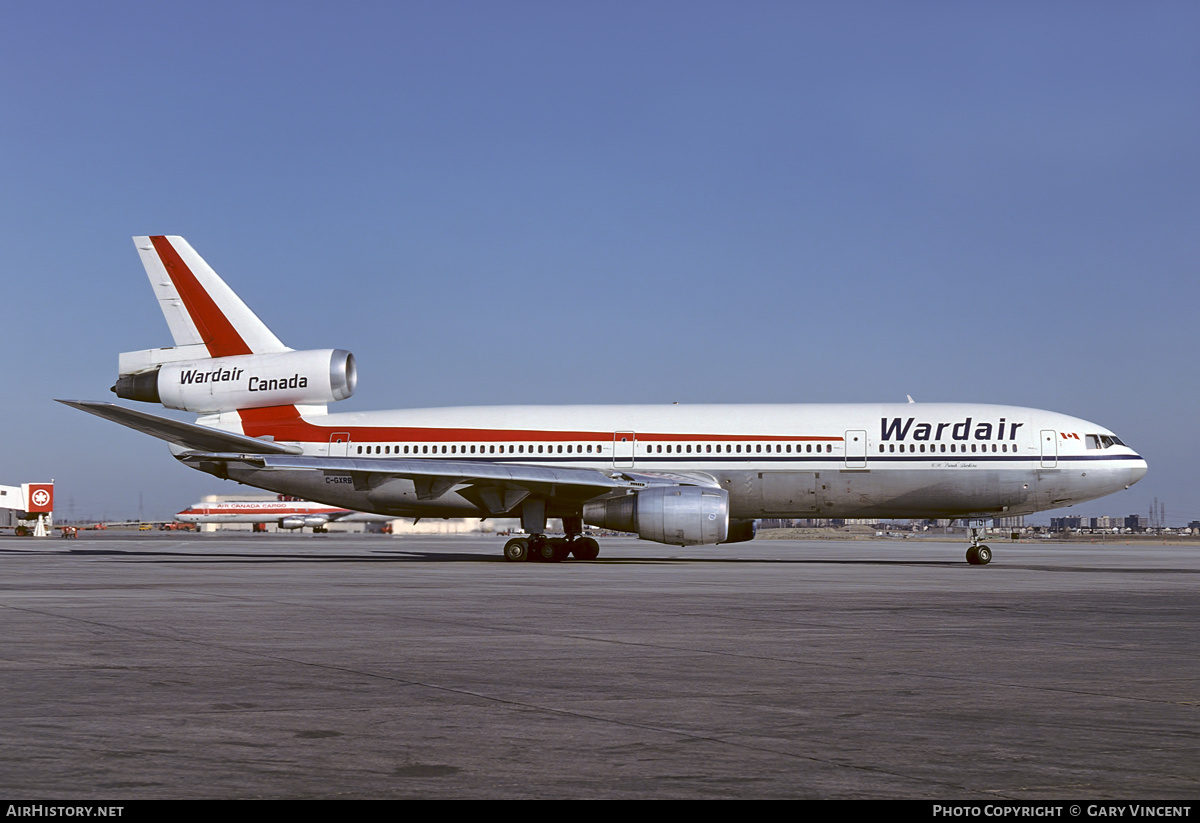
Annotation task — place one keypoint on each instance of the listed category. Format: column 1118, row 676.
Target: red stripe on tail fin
column 218, row 334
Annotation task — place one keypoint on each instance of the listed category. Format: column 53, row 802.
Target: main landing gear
column 549, row 549
column 538, row 547
column 977, row 553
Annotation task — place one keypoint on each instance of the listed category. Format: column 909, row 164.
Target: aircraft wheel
column 973, row 555
column 516, row 550
column 554, row 551
column 535, row 548
column 983, row 555
column 585, row 548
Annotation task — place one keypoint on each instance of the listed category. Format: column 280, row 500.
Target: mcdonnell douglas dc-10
column 682, row 475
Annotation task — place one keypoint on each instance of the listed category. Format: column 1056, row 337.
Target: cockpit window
column 1102, row 441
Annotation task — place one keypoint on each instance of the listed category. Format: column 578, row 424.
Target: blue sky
column 622, row 202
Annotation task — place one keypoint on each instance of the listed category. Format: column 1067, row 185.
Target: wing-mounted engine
column 678, row 515
column 247, row 381
column 302, row 521
column 741, row 531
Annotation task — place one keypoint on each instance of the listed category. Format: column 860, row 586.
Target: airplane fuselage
column 679, row 475
column 936, row 460
column 256, row 511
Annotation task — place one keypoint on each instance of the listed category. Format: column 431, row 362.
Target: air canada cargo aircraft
column 286, row 512
column 681, row 475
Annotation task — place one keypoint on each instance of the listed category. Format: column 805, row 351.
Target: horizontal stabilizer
column 187, row 435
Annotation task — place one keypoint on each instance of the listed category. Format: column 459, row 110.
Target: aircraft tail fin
column 200, row 309
column 224, row 357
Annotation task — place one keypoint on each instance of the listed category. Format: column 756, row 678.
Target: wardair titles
column 195, row 376
column 967, row 429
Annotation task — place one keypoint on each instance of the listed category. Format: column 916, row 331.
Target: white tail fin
column 224, row 357
column 200, row 309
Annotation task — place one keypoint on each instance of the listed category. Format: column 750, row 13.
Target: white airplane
column 682, row 475
column 287, row 513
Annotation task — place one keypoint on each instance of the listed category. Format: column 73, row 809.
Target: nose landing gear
column 977, row 553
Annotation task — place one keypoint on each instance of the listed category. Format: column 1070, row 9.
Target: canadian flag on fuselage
column 224, row 357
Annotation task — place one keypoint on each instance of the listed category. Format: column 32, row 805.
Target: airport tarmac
column 170, row 665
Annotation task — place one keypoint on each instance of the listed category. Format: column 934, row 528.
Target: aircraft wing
column 495, row 487
column 187, row 435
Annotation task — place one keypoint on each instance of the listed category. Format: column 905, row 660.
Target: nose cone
column 1137, row 472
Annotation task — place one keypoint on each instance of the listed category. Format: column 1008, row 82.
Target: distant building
column 1009, row 523
column 1135, row 522
column 1062, row 524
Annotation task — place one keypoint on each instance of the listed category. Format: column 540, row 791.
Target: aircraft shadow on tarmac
column 410, row 555
column 261, row 551
column 416, row 556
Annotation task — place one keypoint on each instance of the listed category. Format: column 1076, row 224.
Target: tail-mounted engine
column 246, row 381
column 678, row 515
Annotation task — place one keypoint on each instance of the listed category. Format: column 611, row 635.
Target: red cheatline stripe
column 285, row 424
column 218, row 334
